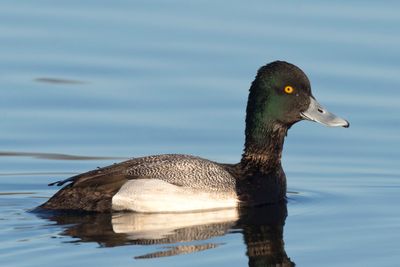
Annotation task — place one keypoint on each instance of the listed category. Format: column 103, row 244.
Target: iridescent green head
column 281, row 95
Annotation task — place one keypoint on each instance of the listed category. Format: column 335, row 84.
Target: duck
column 279, row 97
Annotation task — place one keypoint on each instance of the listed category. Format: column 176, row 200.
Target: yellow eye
column 288, row 89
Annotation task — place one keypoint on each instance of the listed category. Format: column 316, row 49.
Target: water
column 86, row 84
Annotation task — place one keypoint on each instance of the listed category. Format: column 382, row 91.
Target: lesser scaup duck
column 279, row 96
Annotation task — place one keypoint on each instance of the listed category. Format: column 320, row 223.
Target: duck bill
column 317, row 113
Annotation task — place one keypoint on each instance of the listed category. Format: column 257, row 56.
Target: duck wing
column 105, row 175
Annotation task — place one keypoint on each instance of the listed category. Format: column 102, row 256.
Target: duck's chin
column 288, row 125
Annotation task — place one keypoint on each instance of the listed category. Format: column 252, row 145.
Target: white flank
column 154, row 195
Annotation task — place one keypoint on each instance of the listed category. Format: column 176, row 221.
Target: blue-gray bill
column 317, row 113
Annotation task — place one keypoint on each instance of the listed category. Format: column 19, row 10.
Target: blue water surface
column 108, row 80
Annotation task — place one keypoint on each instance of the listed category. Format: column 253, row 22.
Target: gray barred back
column 183, row 170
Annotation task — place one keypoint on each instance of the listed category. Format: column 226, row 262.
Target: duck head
column 281, row 95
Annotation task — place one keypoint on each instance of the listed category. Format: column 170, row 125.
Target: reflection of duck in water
column 279, row 96
column 182, row 233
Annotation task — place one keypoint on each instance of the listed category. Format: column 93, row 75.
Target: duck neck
column 263, row 147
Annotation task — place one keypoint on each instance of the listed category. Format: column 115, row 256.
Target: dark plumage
column 279, row 96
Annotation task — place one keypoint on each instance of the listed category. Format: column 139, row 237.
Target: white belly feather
column 154, row 195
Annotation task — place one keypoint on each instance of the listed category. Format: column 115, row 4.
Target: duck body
column 279, row 97
column 162, row 183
